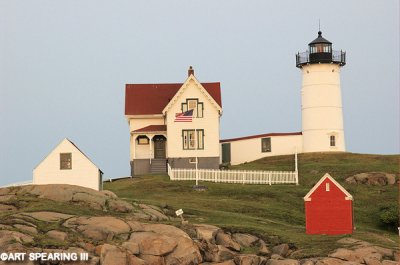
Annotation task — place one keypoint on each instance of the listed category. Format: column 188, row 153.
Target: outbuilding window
column 266, row 145
column 65, row 161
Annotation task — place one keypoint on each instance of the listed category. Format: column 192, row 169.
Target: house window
column 195, row 105
column 65, row 161
column 265, row 145
column 190, row 141
column 327, row 187
column 143, row 140
column 332, row 140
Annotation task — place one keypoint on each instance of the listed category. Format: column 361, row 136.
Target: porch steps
column 158, row 166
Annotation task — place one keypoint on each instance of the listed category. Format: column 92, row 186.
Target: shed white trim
column 76, row 147
column 308, row 196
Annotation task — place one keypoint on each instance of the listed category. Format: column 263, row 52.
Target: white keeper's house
column 173, row 123
column 179, row 123
column 67, row 164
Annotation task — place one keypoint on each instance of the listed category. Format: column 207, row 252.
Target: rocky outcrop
column 99, row 200
column 372, row 178
column 122, row 235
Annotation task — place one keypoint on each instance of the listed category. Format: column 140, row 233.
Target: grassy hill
column 276, row 213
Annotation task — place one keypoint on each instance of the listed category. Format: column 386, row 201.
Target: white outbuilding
column 67, row 164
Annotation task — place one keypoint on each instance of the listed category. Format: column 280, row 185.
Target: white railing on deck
column 235, row 176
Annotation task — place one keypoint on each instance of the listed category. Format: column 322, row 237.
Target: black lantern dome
column 320, row 51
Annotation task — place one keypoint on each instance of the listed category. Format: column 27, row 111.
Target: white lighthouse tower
column 322, row 115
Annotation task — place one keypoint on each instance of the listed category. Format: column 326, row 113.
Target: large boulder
column 57, row 235
column 245, row 240
column 206, row 232
column 372, row 178
column 99, row 228
column 47, row 216
column 74, row 194
column 249, row 260
column 347, row 254
column 283, row 262
column 226, row 241
column 112, row 255
column 281, row 249
column 10, row 237
column 154, row 244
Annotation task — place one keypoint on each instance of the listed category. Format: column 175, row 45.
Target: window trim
column 185, row 132
column 62, row 162
column 142, row 137
column 185, row 106
column 270, row 145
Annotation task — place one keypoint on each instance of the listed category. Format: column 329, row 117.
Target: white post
column 296, row 167
column 197, row 173
column 150, row 151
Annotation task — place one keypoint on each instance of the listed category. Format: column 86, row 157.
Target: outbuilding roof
column 150, row 99
column 327, row 176
column 259, row 136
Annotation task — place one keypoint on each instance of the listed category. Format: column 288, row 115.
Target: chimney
column 190, row 71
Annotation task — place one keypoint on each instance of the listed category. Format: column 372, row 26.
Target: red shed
column 329, row 208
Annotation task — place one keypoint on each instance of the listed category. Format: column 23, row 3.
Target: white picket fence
column 235, row 176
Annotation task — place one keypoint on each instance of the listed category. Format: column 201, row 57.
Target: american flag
column 184, row 116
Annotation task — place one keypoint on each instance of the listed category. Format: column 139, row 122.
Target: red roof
column 152, row 128
column 147, row 99
column 259, row 136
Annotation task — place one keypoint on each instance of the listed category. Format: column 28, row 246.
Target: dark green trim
column 197, row 106
column 198, row 142
column 196, row 134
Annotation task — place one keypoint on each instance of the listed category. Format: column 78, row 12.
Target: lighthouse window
column 265, row 145
column 333, row 140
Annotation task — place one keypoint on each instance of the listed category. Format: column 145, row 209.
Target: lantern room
column 320, row 51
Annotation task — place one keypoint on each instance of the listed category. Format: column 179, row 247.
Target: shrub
column 389, row 215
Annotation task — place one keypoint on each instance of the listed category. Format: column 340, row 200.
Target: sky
column 64, row 66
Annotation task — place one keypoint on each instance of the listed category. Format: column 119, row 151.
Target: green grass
column 276, row 213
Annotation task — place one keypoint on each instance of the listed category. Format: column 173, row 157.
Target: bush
column 389, row 216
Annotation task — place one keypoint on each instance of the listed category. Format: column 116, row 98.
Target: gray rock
column 7, row 208
column 245, row 240
column 226, row 241
column 372, row 178
column 26, row 228
column 249, row 260
column 132, row 247
column 154, row 244
column 112, row 255
column 157, row 216
column 57, row 235
column 263, row 249
column 281, row 249
column 283, row 262
column 48, row 216
column 206, row 232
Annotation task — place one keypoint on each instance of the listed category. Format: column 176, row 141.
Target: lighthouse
column 321, row 101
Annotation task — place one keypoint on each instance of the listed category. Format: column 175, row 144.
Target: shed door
column 226, row 153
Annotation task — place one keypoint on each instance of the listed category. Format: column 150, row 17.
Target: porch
column 149, row 150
